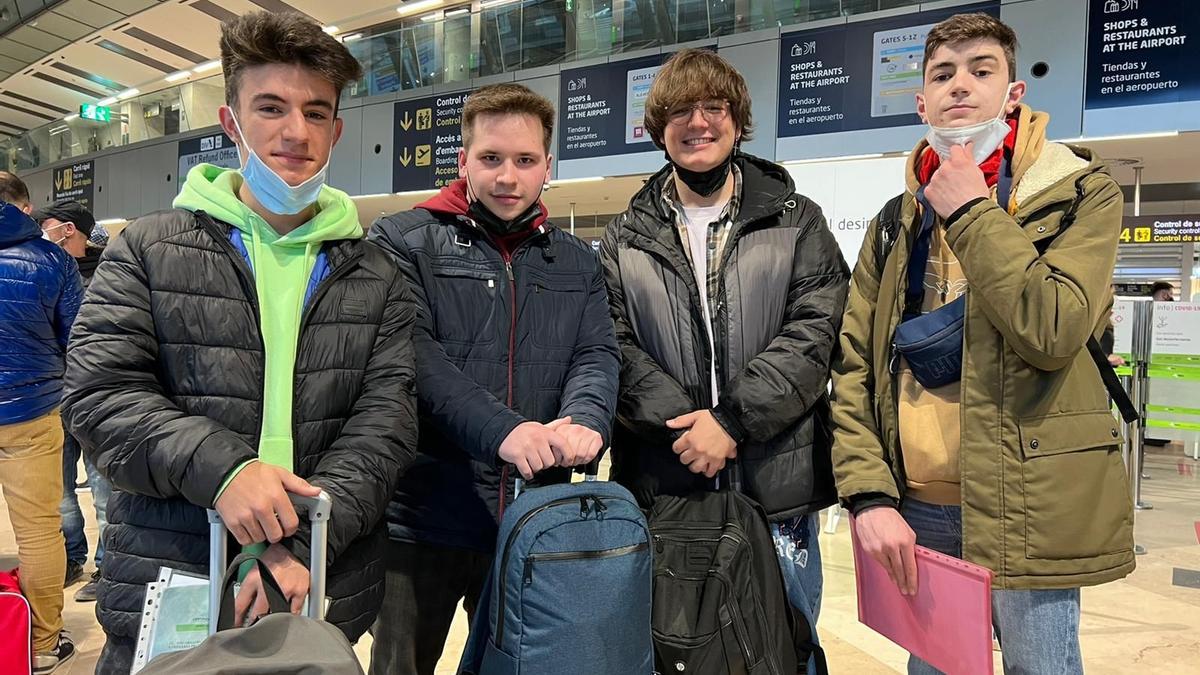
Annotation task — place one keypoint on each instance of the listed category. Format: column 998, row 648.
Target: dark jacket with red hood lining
column 508, row 330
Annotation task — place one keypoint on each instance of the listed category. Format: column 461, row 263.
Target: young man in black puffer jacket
column 727, row 290
column 246, row 345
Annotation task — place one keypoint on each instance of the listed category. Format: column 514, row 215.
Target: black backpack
column 719, row 603
column 888, row 229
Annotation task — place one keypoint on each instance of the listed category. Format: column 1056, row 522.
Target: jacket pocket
column 457, row 300
column 558, row 301
column 1076, row 492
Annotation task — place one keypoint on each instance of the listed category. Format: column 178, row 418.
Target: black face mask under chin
column 705, row 183
column 481, row 214
column 489, row 221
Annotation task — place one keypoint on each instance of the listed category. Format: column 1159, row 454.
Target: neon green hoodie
column 282, row 267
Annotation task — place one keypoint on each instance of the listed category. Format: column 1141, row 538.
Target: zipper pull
column 528, row 579
column 600, row 507
column 508, row 268
column 583, row 507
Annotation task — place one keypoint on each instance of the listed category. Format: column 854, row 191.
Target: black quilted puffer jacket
column 165, row 394
column 775, row 324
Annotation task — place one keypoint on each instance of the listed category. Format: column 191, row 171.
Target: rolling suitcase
column 280, row 643
column 569, row 590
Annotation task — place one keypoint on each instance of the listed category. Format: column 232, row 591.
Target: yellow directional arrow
column 405, row 158
column 406, row 123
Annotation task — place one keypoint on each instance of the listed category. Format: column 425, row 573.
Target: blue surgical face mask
column 273, row 192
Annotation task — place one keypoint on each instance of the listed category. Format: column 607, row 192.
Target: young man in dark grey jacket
column 516, row 366
column 727, row 290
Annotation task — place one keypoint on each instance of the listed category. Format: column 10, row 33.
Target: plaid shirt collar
column 670, row 197
column 718, row 232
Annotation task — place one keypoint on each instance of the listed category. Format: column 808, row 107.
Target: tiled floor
column 1142, row 624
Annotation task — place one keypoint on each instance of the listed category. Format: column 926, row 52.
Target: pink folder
column 948, row 623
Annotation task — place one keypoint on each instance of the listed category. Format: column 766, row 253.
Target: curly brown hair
column 693, row 75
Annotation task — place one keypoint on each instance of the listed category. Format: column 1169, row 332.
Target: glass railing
column 451, row 45
column 161, row 113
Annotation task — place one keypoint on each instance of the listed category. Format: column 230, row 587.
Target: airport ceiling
column 83, row 51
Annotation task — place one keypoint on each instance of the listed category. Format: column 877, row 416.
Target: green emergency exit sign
column 96, row 113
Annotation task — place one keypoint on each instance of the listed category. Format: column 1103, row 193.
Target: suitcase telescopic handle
column 319, row 509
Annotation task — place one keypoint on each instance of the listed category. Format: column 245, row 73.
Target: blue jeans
column 72, row 516
column 1038, row 630
column 799, row 555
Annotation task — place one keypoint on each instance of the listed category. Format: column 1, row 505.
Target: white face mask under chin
column 987, row 135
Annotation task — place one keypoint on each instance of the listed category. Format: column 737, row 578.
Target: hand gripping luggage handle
column 319, row 509
column 277, row 602
column 591, row 471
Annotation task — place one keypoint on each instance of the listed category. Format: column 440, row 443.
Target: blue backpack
column 570, row 587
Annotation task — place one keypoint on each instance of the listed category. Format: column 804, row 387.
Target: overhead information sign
column 96, row 113
column 1141, row 66
column 1161, row 229
column 216, row 149
column 858, row 75
column 76, row 182
column 603, row 108
column 426, row 138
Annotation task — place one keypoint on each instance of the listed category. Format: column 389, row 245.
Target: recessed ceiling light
column 332, row 30
column 106, row 101
column 568, row 181
column 175, row 77
column 207, row 66
column 351, row 37
column 1120, row 137
column 128, row 93
column 419, row 5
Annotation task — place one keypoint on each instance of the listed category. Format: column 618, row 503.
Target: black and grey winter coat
column 776, row 319
column 165, row 394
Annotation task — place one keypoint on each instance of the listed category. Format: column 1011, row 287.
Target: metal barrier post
column 1143, row 327
column 1143, row 315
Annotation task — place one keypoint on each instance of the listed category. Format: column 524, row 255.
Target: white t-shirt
column 697, row 221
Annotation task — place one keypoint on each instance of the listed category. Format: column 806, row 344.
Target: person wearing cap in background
column 70, row 225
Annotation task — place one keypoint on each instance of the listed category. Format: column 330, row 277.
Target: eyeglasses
column 712, row 112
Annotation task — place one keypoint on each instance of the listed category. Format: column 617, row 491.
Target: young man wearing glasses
column 726, row 289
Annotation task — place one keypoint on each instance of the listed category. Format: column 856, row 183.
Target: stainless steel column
column 1143, row 322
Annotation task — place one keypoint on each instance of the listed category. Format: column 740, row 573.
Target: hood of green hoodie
column 214, row 190
column 282, row 267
